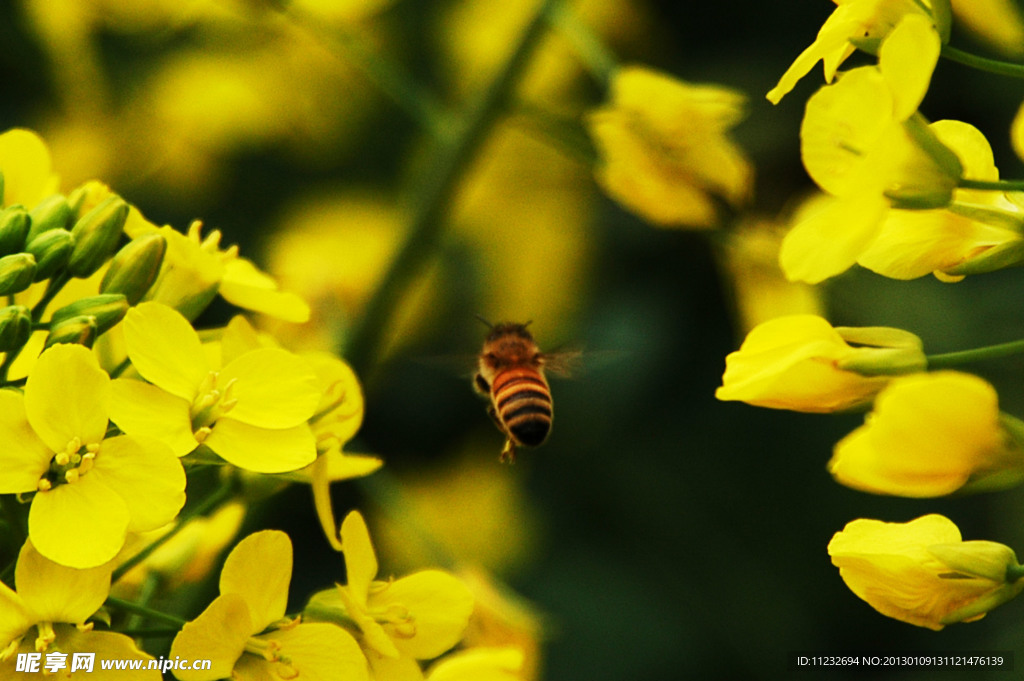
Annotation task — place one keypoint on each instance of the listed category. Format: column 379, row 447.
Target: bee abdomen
column 522, row 401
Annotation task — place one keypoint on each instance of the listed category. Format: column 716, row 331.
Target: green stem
column 1014, row 572
column 995, row 185
column 601, row 61
column 949, row 359
column 219, row 495
column 146, row 613
column 1002, row 68
column 440, row 180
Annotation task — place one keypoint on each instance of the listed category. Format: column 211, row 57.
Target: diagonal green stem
column 949, row 359
column 146, row 613
column 599, row 60
column 440, row 179
column 218, row 496
column 1002, row 68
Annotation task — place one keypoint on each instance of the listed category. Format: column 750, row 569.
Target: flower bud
column 96, row 234
column 16, row 273
column 15, row 327
column 51, row 249
column 51, row 213
column 14, row 224
column 80, row 330
column 922, row 572
column 106, row 309
column 133, row 270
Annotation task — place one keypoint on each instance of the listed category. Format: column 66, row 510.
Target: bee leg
column 508, row 452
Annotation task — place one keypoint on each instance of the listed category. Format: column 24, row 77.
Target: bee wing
column 573, row 363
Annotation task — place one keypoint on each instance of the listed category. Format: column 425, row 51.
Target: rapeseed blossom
column 665, row 151
column 862, row 143
column 90, row 489
column 930, row 434
column 922, row 572
column 861, row 20
column 58, row 601
column 252, row 410
column 417, row 617
column 802, row 363
column 246, row 633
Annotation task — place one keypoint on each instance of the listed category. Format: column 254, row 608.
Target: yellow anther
column 202, row 433
column 62, row 458
column 71, row 476
column 44, row 485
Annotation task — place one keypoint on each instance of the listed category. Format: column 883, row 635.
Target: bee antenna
column 527, row 323
column 486, row 323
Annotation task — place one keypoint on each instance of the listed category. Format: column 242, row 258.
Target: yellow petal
column 139, row 408
column 927, row 436
column 842, row 123
column 479, row 664
column 259, row 569
column 906, row 59
column 56, row 593
column 219, row 634
column 80, row 525
column 67, row 395
column 318, row 651
column 24, row 458
column 889, row 566
column 147, row 476
column 26, row 167
column 360, row 559
column 247, row 287
column 15, row 616
column 274, row 388
column 107, row 645
column 165, row 349
column 439, row 605
column 261, row 449
column 829, row 241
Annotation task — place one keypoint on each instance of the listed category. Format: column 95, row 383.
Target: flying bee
column 510, row 372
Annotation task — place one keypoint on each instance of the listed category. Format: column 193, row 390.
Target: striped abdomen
column 522, row 403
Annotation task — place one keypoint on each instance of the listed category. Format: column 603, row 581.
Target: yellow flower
column 854, row 19
column 862, row 142
column 417, row 617
column 801, row 362
column 195, row 270
column 930, row 434
column 251, row 410
column 975, row 230
column 479, row 664
column 28, row 177
column 52, row 598
column 245, row 632
column 90, row 490
column 664, row 148
column 921, row 572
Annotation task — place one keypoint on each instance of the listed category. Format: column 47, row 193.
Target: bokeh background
column 659, row 534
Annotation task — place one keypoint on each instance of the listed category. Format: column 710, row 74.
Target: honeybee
column 510, row 373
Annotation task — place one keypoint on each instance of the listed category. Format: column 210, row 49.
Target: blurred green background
column 659, row 534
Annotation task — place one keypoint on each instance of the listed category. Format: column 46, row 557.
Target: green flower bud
column 53, row 212
column 106, row 309
column 16, row 273
column 51, row 249
column 96, row 235
column 135, row 267
column 14, row 224
column 882, row 351
column 15, row 327
column 80, row 330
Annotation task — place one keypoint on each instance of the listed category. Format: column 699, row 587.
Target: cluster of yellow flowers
column 114, row 410
column 903, row 197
